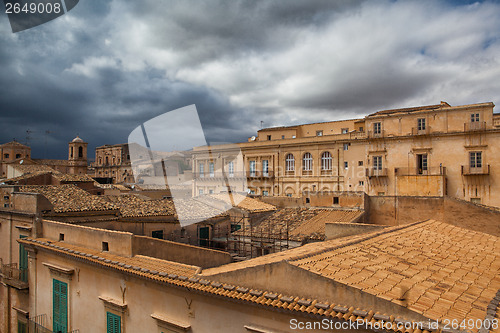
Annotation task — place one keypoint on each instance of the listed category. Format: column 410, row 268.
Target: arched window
column 80, row 152
column 326, row 161
column 307, row 162
column 71, row 152
column 290, row 162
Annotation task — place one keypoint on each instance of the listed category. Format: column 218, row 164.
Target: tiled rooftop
column 243, row 202
column 299, row 223
column 193, row 209
column 26, row 176
column 186, row 277
column 13, row 144
column 439, row 270
column 32, row 168
column 132, row 206
column 52, row 162
column 65, row 177
column 314, row 228
column 69, row 198
column 111, row 260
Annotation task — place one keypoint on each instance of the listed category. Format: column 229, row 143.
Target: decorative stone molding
column 171, row 324
column 60, row 271
column 113, row 304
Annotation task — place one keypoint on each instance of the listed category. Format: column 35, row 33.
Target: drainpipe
column 338, row 168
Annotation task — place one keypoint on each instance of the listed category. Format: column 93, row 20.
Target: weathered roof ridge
column 269, row 299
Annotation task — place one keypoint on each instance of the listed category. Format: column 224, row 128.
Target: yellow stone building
column 433, row 150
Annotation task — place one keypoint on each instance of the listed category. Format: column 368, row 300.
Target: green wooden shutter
column 60, row 306
column 113, row 323
column 22, row 327
column 23, row 262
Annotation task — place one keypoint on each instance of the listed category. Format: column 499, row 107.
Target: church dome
column 77, row 139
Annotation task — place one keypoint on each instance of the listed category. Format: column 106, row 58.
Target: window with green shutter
column 22, row 327
column 60, row 306
column 113, row 323
column 23, row 262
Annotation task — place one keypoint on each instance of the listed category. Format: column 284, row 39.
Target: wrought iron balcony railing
column 429, row 171
column 424, row 131
column 475, row 126
column 374, row 172
column 13, row 275
column 467, row 170
column 378, row 134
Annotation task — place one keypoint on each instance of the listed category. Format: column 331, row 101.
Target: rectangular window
column 345, row 130
column 265, row 193
column 377, row 162
column 346, row 146
column 6, row 205
column 377, row 128
column 361, row 183
column 22, row 327
column 421, row 124
column 200, row 191
column 346, row 165
column 113, row 323
column 211, row 169
column 202, row 170
column 59, row 306
column 230, row 167
column 361, row 129
column 319, row 133
column 210, row 191
column 360, row 163
column 265, row 168
column 252, row 169
column 474, row 117
column 23, row 262
column 282, row 136
column 157, row 234
column 476, row 159
column 268, row 137
column 421, row 163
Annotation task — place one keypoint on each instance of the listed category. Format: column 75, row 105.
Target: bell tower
column 77, row 156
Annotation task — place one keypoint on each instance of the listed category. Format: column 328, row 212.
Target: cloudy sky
column 107, row 66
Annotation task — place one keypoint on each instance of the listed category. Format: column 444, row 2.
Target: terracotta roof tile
column 299, row 223
column 69, row 198
column 243, row 202
column 32, row 168
column 65, row 177
column 429, row 283
column 132, row 206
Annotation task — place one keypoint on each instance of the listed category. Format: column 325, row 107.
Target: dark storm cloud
column 108, row 66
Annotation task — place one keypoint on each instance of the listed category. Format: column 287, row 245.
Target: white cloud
column 379, row 54
column 92, row 65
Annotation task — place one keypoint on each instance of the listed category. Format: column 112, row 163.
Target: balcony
column 496, row 120
column 260, row 174
column 467, row 170
column 13, row 276
column 219, row 176
column 372, row 172
column 38, row 324
column 380, row 134
column 475, row 126
column 417, row 131
column 429, row 171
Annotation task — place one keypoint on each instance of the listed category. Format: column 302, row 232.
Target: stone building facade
column 113, row 161
column 433, row 150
